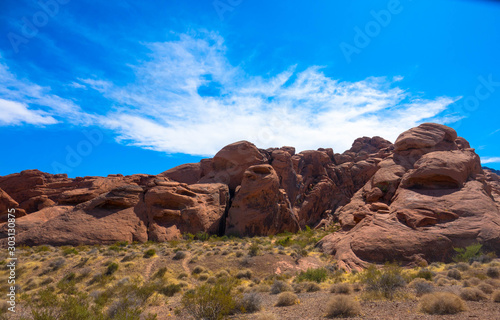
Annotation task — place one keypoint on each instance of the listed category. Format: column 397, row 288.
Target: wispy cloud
column 27, row 102
column 189, row 98
column 490, row 160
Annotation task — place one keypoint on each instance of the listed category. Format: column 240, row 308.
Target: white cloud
column 24, row 96
column 188, row 98
column 490, row 160
column 13, row 113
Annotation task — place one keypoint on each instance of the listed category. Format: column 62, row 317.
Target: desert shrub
column 238, row 254
column 129, row 257
column 454, row 274
column 306, row 286
column 493, row 272
column 250, row 302
column 182, row 275
column 486, row 288
column 179, row 255
column 341, row 288
column 69, row 250
column 202, row 236
column 279, row 286
column 149, row 253
column 170, row 289
column 198, row 270
column 112, row 268
column 287, row 299
column 317, row 275
column 160, row 273
column 43, row 248
column 472, row 294
column 422, row 286
column 496, row 296
column 386, row 281
column 254, row 250
column 222, row 273
column 462, row 266
column 469, row 253
column 342, row 306
column 441, row 303
column 209, row 301
column 57, row 264
column 203, row 276
column 425, row 274
column 244, row 274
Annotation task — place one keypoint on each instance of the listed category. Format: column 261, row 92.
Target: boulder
column 260, row 207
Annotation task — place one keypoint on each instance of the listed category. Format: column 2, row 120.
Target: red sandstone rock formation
column 411, row 201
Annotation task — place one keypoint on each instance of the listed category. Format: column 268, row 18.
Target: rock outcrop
column 412, row 201
column 429, row 196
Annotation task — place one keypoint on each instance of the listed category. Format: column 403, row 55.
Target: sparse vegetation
column 342, row 306
column 441, row 303
column 385, row 282
column 317, row 275
column 209, row 301
column 286, row 299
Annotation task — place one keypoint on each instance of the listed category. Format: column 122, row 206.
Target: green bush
column 112, row 268
column 149, row 253
column 317, row 275
column 425, row 274
column 254, row 250
column 469, row 253
column 209, row 301
column 386, row 281
column 171, row 289
column 69, row 250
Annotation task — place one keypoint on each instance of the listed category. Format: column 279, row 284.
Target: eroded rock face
column 412, row 201
column 260, row 207
column 429, row 196
column 173, row 208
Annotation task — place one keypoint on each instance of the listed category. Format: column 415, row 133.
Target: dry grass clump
column 496, row 296
column 222, row 273
column 486, row 288
column 244, row 274
column 287, row 299
column 454, row 274
column 493, row 272
column 422, row 286
column 179, row 255
column 472, row 294
column 307, row 286
column 198, row 270
column 279, row 286
column 341, row 288
column 441, row 303
column 342, row 306
column 250, row 302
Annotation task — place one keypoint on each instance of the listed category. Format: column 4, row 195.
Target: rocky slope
column 410, row 201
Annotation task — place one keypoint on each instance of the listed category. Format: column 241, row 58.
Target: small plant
column 441, row 303
column 286, row 299
column 254, row 250
column 69, row 250
column 486, row 288
column 342, row 306
column 211, row 302
column 422, row 286
column 386, row 281
column 244, row 274
column 493, row 272
column 425, row 274
column 179, row 255
column 279, row 286
column 472, row 294
column 468, row 254
column 149, row 253
column 160, row 273
column 455, row 274
column 341, row 288
column 198, row 270
column 112, row 268
column 317, row 275
column 250, row 303
column 171, row 289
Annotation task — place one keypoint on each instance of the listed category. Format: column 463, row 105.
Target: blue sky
column 105, row 87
